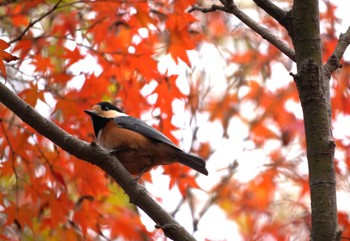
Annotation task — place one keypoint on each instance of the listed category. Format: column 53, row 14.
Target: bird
column 137, row 145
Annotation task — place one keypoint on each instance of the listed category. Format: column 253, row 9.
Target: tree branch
column 274, row 11
column 213, row 8
column 95, row 155
column 333, row 61
column 231, row 7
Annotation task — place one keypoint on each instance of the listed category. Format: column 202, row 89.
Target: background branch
column 32, row 23
column 95, row 155
column 333, row 61
column 232, row 8
column 274, row 11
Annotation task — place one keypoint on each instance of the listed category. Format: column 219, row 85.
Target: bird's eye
column 105, row 108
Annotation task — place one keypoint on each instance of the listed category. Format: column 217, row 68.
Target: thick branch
column 232, row 8
column 333, row 61
column 95, row 155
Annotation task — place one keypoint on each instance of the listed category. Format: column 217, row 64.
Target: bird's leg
column 137, row 178
column 144, row 169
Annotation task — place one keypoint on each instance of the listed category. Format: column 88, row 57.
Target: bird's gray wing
column 136, row 125
column 142, row 128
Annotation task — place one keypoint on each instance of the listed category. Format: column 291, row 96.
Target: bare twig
column 32, row 23
column 333, row 61
column 232, row 8
column 216, row 191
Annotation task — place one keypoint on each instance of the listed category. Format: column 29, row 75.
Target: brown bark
column 315, row 100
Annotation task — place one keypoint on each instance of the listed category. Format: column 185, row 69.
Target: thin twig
column 32, row 23
column 232, row 8
column 215, row 195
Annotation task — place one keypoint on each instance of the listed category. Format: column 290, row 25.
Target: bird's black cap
column 108, row 106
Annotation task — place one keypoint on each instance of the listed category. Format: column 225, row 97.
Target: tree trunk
column 313, row 90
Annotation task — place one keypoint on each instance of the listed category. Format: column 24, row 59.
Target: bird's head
column 101, row 113
column 105, row 110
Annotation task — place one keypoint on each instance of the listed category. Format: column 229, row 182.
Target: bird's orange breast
column 113, row 136
column 135, row 151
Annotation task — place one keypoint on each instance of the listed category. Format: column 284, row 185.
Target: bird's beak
column 95, row 110
column 90, row 112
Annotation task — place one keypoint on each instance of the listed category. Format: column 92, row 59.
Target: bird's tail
column 192, row 161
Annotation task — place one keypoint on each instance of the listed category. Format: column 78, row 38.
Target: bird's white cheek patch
column 112, row 114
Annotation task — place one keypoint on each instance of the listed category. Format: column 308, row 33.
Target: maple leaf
column 32, row 94
column 42, row 64
column 5, row 56
column 86, row 213
column 180, row 37
column 18, row 19
column 72, row 56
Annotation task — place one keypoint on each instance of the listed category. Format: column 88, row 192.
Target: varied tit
column 138, row 146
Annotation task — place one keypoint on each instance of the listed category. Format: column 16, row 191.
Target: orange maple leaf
column 5, row 56
column 180, row 37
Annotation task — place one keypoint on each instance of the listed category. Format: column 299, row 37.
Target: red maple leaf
column 5, row 56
